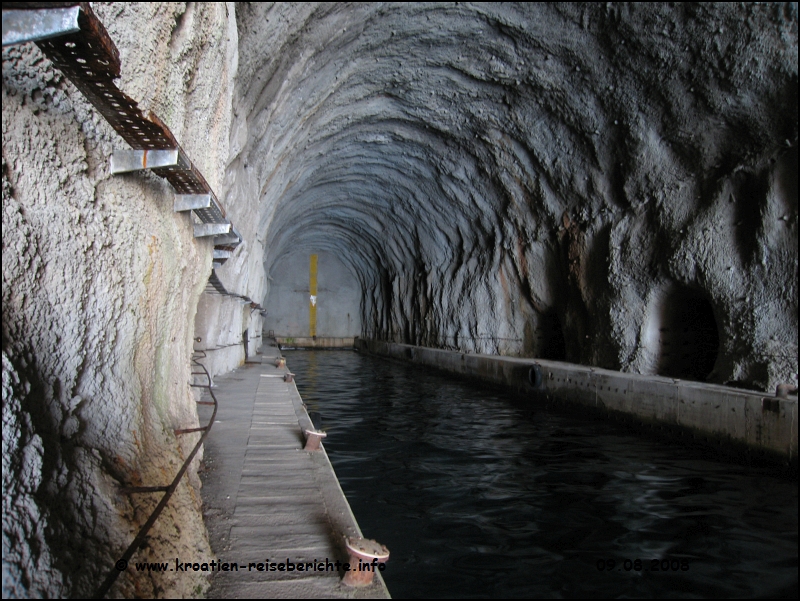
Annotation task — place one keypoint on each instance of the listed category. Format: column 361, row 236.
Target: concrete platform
column 740, row 419
column 266, row 500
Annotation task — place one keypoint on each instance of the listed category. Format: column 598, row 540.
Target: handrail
column 122, row 563
column 220, row 347
column 215, row 286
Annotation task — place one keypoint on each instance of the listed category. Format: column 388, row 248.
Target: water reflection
column 480, row 495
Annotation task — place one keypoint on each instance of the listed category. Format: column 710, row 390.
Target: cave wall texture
column 101, row 281
column 572, row 181
column 537, row 180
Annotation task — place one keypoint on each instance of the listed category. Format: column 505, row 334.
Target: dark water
column 477, row 494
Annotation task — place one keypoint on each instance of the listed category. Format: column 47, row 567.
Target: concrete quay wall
column 320, row 342
column 743, row 419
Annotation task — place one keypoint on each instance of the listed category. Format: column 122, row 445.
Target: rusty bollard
column 782, row 391
column 280, row 362
column 289, row 377
column 366, row 557
column 313, row 438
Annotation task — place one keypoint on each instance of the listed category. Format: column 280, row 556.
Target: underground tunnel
column 610, row 186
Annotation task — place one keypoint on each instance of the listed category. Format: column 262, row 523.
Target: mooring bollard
column 366, row 555
column 288, row 377
column 782, row 391
column 313, row 438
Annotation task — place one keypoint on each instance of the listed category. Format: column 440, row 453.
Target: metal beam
column 211, row 229
column 234, row 238
column 126, row 161
column 222, row 254
column 21, row 26
column 189, row 202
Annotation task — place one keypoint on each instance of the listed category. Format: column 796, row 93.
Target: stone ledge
column 759, row 421
column 316, row 342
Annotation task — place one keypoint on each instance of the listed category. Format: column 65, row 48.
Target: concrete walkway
column 266, row 500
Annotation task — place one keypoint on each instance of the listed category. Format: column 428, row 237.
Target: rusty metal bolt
column 313, row 439
column 366, row 557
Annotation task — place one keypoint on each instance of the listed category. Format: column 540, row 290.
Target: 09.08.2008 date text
column 643, row 565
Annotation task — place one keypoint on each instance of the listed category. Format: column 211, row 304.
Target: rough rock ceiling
column 480, row 164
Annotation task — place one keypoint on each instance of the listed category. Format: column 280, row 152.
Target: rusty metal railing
column 168, row 490
column 215, row 286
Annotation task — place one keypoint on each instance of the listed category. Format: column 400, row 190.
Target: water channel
column 478, row 493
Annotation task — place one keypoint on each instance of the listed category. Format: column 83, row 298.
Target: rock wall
column 101, row 281
column 221, row 327
column 539, row 180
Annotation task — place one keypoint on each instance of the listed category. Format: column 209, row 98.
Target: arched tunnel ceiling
column 439, row 147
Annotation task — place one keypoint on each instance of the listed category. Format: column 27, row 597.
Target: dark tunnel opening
column 551, row 337
column 688, row 336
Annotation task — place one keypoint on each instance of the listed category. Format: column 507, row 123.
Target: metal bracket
column 189, row 202
column 222, row 254
column 20, row 26
column 211, row 229
column 127, row 161
column 233, row 238
column 194, row 194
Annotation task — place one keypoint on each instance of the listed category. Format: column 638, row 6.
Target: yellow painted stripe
column 312, row 304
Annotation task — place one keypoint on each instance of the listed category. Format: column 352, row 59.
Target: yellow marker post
column 312, row 303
